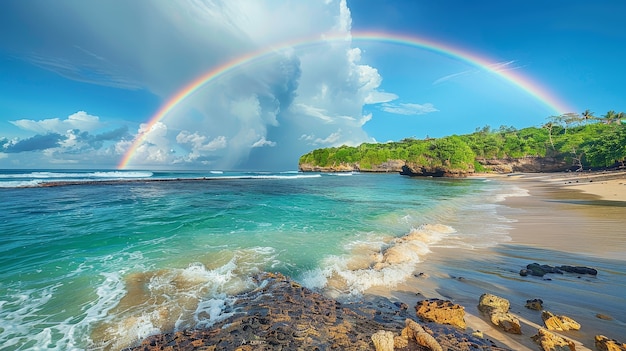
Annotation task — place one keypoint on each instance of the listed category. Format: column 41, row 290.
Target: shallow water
column 102, row 265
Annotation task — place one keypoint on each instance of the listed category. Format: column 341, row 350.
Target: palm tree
column 587, row 116
column 620, row 118
column 610, row 117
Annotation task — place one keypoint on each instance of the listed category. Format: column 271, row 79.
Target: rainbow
column 513, row 76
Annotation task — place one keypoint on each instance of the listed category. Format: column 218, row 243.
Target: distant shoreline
column 606, row 185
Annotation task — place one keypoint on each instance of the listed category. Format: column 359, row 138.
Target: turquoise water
column 102, row 265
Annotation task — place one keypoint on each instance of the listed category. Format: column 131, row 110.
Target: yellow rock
column 383, row 340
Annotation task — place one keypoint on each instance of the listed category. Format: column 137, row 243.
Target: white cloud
column 408, row 108
column 316, row 112
column 377, row 97
column 263, row 142
column 496, row 67
column 201, row 143
column 331, row 139
column 309, row 90
column 80, row 120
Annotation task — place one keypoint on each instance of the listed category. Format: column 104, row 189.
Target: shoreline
column 554, row 196
column 554, row 220
column 606, row 185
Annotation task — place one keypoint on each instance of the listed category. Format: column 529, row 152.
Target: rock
column 539, row 270
column 281, row 314
column 497, row 309
column 383, row 340
column 506, row 322
column 534, row 304
column 578, row 270
column 489, row 303
column 552, row 342
column 415, row 331
column 478, row 334
column 400, row 342
column 605, row 344
column 442, row 312
column 559, row 323
column 604, row 316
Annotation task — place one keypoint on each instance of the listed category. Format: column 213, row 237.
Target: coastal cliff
column 492, row 165
column 551, row 148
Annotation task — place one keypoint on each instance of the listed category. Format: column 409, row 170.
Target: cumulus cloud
column 263, row 142
column 80, row 138
column 251, row 115
column 79, row 120
column 35, row 143
column 408, row 108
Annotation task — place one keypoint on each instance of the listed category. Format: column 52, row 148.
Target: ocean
column 115, row 256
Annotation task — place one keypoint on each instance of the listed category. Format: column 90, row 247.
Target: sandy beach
column 567, row 218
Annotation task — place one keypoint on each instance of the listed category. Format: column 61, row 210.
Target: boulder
column 539, row 270
column 442, row 312
column 506, row 322
column 497, row 308
column 415, row 331
column 383, row 340
column 559, row 323
column 552, row 342
column 534, row 304
column 489, row 303
column 578, row 270
column 605, row 344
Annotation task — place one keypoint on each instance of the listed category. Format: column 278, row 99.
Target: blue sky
column 79, row 79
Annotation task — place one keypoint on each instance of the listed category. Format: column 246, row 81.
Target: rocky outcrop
column 282, row 315
column 507, row 165
column 442, row 312
column 559, row 323
column 342, row 167
column 524, row 164
column 605, row 344
column 497, row 308
column 552, row 342
column 389, row 166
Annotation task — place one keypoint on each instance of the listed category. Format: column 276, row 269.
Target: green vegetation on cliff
column 575, row 141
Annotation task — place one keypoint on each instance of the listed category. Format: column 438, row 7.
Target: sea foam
column 375, row 262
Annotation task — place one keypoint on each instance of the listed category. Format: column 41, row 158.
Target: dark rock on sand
column 539, row 270
column 578, row 270
column 282, row 315
column 604, row 316
column 534, row 304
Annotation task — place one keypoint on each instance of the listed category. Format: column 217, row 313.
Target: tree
column 610, row 117
column 588, row 116
column 549, row 126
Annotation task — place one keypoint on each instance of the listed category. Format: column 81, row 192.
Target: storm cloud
column 253, row 116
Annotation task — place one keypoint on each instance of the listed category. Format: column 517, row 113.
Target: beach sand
column 567, row 219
